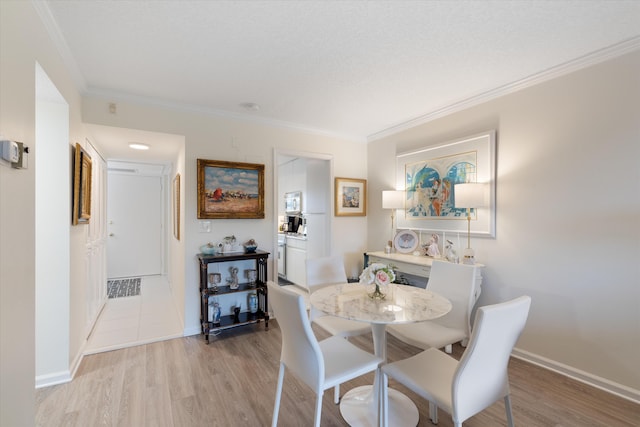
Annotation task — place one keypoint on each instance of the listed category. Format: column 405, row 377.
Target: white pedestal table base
column 359, row 409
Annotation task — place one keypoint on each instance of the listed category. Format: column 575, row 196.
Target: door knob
column 110, row 234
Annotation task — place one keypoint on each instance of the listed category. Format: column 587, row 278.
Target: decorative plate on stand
column 406, row 241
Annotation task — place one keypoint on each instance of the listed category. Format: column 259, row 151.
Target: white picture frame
column 443, row 161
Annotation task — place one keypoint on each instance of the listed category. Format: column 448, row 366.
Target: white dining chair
column 457, row 283
column 326, row 271
column 464, row 388
column 319, row 364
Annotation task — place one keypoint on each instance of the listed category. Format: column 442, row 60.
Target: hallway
column 130, row 321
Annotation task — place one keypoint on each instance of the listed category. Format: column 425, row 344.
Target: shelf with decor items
column 413, row 269
column 224, row 265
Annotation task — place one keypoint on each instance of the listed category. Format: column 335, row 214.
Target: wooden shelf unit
column 260, row 288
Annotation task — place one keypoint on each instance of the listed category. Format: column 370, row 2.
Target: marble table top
column 403, row 304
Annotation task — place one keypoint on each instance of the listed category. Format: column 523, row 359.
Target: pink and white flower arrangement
column 377, row 274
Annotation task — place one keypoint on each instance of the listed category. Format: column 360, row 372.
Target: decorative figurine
column 214, row 312
column 450, row 253
column 229, row 244
column 432, row 249
column 233, row 280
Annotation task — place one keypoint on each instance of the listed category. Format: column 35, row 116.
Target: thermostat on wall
column 10, row 151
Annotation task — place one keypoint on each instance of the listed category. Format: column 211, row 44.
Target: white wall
column 568, row 204
column 215, row 138
column 176, row 260
column 23, row 43
column 52, row 231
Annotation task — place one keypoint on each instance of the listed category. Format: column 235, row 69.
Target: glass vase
column 377, row 293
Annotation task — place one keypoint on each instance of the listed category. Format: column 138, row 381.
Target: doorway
column 314, row 180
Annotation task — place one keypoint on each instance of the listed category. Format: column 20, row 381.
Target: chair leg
column 336, row 394
column 448, row 349
column 507, row 408
column 276, row 407
column 318, row 409
column 385, row 400
column 433, row 412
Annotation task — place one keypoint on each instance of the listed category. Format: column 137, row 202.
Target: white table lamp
column 392, row 199
column 469, row 196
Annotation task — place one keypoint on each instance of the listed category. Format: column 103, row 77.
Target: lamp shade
column 392, row 199
column 469, row 195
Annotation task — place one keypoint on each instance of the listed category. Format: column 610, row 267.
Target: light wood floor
column 231, row 382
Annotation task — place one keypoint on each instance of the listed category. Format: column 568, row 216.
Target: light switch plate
column 205, row 226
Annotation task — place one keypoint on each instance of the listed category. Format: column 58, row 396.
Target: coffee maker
column 294, row 222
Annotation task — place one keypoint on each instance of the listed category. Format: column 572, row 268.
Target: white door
column 134, row 221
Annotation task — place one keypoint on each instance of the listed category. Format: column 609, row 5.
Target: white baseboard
column 578, row 375
column 64, row 376
column 53, row 379
column 194, row 330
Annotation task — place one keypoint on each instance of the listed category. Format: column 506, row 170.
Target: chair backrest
column 481, row 377
column 325, row 271
column 301, row 352
column 457, row 283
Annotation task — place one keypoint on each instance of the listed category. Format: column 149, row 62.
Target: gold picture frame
column 81, row 186
column 176, row 206
column 350, row 197
column 230, row 190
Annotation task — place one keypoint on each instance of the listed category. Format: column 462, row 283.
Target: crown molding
column 579, row 63
column 593, row 58
column 50, row 24
column 189, row 108
column 48, row 20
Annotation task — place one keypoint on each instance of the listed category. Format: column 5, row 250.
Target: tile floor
column 129, row 321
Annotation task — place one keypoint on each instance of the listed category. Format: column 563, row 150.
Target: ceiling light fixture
column 138, row 146
column 250, row 106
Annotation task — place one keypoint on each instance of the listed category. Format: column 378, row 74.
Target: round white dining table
column 403, row 304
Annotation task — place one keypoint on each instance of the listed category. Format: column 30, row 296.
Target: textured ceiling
column 349, row 68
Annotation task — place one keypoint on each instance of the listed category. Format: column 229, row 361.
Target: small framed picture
column 351, row 197
column 81, row 187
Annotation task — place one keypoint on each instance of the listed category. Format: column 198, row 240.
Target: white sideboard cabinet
column 413, row 269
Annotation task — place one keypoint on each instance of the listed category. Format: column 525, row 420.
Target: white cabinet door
column 296, row 269
column 318, row 194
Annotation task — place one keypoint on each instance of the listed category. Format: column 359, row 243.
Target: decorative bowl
column 250, row 248
column 208, row 250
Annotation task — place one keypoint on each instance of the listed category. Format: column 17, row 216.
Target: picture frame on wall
column 429, row 176
column 350, row 197
column 231, row 190
column 176, row 206
column 81, row 186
